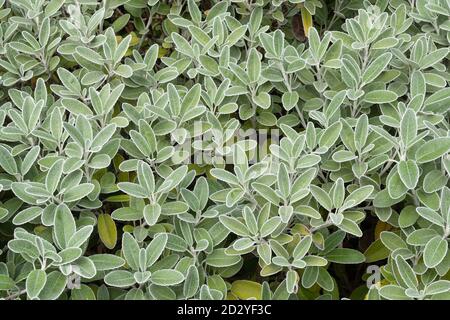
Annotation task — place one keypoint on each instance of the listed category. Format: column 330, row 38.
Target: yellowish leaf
column 128, row 228
column 231, row 296
column 245, row 289
column 301, row 229
column 306, row 20
column 134, row 39
column 39, row 229
column 199, row 170
column 318, row 240
column 380, row 227
column 118, row 198
column 162, row 52
column 107, row 230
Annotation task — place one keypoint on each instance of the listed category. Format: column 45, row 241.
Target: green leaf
column 152, row 213
column 6, row 283
column 156, row 248
column 44, row 32
column 392, row 241
column 376, row 252
column 343, row 156
column 361, row 132
column 106, row 261
column 396, row 187
column 29, row 160
column 314, row 43
column 437, row 287
column 53, row 177
column 408, row 216
column 225, row 176
column 345, row 256
column 435, row 251
column 376, row 67
column 433, row 149
column 322, row 197
column 438, row 101
column 406, row 272
column 385, row 43
column 308, row 212
column 357, row 196
column 192, row 282
column 393, row 292
column 330, row 135
column 218, row 258
column 236, row 35
column 263, row 100
column 130, row 249
column 173, row 179
column 335, row 103
column 253, row 66
column 289, row 100
column 283, row 181
column 338, row 193
column 126, row 214
column 102, row 137
column 35, row 283
column 78, row 192
column 133, row 189
column 269, row 226
column 351, row 227
column 266, row 192
column 27, row 215
column 76, row 107
column 408, row 127
column 54, row 286
column 234, row 225
column 302, row 248
column 409, row 173
column 7, row 161
column 380, row 96
column 120, row 278
column 433, row 57
column 64, row 225
column 167, row 277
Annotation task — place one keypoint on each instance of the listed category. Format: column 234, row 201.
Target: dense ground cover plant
column 262, row 149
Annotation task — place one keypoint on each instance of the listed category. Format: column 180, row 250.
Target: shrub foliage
column 263, row 149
